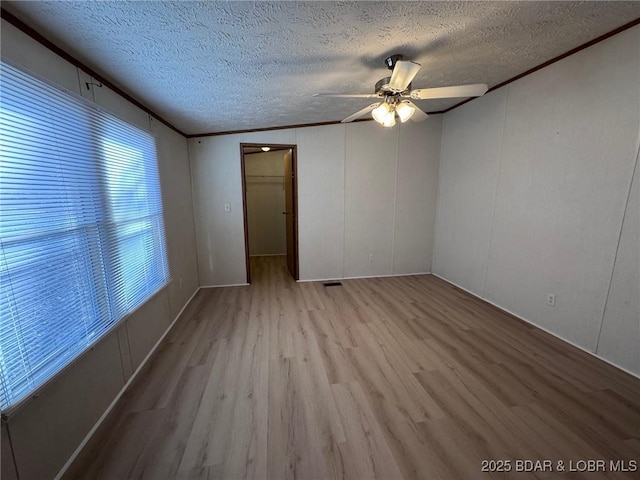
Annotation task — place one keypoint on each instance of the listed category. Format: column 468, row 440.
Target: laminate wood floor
column 403, row 377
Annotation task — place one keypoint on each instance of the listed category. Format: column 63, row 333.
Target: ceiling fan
column 395, row 94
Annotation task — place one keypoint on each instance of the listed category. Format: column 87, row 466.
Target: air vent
column 332, row 284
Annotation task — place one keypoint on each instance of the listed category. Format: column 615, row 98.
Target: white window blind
column 81, row 228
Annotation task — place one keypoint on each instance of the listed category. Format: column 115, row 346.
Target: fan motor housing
column 382, row 87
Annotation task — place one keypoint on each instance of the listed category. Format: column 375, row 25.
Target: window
column 81, row 228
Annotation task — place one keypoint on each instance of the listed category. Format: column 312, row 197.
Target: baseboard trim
column 122, row 391
column 335, row 279
column 593, row 354
column 225, row 286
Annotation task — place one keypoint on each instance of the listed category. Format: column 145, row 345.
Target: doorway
column 270, row 202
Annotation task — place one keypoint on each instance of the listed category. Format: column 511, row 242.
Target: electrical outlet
column 551, row 299
column 371, row 257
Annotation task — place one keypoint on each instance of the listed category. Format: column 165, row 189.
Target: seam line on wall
column 483, row 287
column 395, row 204
column 126, row 329
column 190, row 146
column 193, row 207
column 436, row 227
column 615, row 258
column 13, row 454
column 344, row 200
column 78, row 74
column 124, row 373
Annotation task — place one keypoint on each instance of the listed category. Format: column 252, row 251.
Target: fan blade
column 347, row 95
column 403, row 73
column 418, row 115
column 360, row 113
column 475, row 90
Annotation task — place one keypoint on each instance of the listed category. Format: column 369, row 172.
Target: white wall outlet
column 227, row 207
column 371, row 257
column 551, row 299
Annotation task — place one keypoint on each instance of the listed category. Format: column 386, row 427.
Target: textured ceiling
column 223, row 66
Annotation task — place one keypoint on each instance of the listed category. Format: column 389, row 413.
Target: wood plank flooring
column 403, row 377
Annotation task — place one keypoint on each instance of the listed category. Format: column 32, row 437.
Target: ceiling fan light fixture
column 405, row 111
column 265, row 149
column 385, row 115
column 389, row 121
column 381, row 112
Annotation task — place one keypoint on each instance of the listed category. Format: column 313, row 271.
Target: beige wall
column 46, row 430
column 362, row 189
column 534, row 183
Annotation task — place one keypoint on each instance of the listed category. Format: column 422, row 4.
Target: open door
column 290, row 212
column 291, row 202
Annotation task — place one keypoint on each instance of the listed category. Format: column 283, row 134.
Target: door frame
column 294, row 167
